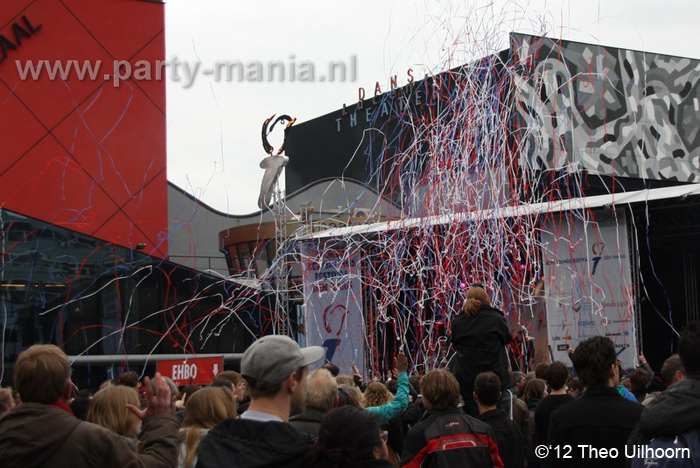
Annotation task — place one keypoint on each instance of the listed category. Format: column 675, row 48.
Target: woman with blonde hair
column 108, row 409
column 205, row 409
column 479, row 336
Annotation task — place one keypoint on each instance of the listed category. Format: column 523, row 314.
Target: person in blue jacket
column 400, row 401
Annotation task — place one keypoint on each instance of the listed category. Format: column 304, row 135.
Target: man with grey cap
column 276, row 369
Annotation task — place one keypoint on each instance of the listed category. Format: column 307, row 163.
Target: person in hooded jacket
column 42, row 431
column 276, row 370
column 677, row 409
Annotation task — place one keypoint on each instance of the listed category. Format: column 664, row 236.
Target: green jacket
column 397, row 405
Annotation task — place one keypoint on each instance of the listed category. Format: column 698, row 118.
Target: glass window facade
column 92, row 297
column 250, row 258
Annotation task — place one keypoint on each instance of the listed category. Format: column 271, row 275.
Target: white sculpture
column 272, row 164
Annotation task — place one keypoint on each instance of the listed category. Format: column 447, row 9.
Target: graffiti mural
column 607, row 111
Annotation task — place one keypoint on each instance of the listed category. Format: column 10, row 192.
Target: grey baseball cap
column 272, row 358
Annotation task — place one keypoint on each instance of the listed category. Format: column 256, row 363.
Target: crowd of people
column 279, row 413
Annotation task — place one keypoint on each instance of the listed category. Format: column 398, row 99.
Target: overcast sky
column 214, row 126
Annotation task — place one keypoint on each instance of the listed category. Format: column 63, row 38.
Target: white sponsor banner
column 587, row 283
column 333, row 305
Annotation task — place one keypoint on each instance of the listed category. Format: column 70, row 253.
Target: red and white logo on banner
column 197, row 371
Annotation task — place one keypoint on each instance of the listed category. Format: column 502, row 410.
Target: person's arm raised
column 400, row 401
column 158, row 399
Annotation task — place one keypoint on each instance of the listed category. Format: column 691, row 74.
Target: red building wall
column 86, row 154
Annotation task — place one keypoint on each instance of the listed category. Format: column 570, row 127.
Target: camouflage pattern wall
column 607, row 111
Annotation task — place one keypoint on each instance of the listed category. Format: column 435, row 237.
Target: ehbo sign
column 198, row 371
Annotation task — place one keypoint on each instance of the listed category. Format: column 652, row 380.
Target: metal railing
column 111, row 359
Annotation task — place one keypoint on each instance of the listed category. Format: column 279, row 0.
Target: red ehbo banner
column 197, row 371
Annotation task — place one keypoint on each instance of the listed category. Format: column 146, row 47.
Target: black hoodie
column 671, row 413
column 252, row 444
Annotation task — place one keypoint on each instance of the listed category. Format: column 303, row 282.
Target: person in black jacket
column 321, row 397
column 599, row 419
column 556, row 376
column 677, row 409
column 479, row 337
column 446, row 437
column 276, row 370
column 487, row 393
column 349, row 438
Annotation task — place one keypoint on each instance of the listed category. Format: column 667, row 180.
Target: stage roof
column 571, row 204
